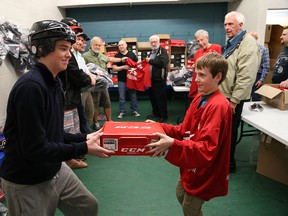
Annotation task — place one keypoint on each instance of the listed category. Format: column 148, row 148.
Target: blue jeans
column 122, row 101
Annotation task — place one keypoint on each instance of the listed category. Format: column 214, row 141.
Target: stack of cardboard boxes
column 273, row 155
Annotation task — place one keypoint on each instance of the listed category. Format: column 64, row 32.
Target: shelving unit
column 131, row 44
column 144, row 50
column 111, row 51
column 176, row 49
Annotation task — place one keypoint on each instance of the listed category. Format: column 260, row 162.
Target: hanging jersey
column 138, row 77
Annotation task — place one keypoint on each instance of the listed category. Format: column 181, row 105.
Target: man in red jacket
column 200, row 146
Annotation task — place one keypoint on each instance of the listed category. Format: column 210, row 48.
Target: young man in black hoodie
column 35, row 179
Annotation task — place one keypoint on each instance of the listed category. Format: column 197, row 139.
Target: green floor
column 144, row 186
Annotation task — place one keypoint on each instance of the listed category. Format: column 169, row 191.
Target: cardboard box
column 129, row 138
column 272, row 95
column 273, row 159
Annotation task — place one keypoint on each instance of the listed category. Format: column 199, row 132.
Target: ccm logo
column 133, row 150
column 133, row 127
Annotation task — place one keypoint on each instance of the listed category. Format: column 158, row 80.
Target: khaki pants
column 87, row 101
column 64, row 191
column 191, row 205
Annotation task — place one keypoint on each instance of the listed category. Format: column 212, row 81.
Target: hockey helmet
column 73, row 24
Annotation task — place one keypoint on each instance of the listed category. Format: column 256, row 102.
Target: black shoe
column 161, row 120
column 152, row 116
column 233, row 167
column 96, row 126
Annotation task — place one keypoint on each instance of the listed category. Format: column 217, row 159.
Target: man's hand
column 259, row 83
column 147, row 59
column 233, row 107
column 149, row 121
column 159, row 147
column 94, row 148
column 284, row 84
column 123, row 59
column 126, row 67
column 93, row 79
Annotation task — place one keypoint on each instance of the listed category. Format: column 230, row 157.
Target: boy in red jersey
column 200, row 146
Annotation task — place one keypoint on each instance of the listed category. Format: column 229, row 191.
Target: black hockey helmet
column 73, row 24
column 43, row 34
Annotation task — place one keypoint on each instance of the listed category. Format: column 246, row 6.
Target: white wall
column 255, row 12
column 22, row 13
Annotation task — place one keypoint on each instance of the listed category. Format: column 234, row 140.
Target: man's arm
column 116, row 60
column 120, row 68
column 248, row 61
column 159, row 61
column 265, row 64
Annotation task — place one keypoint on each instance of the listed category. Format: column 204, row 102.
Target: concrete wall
column 255, row 13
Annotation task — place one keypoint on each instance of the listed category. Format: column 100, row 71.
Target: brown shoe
column 75, row 164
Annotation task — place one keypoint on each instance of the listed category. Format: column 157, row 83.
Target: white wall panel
column 22, row 13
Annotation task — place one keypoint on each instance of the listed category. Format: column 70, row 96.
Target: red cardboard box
column 129, row 138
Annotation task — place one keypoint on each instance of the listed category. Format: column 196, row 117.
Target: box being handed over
column 129, row 138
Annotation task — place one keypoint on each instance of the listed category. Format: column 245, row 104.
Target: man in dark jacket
column 74, row 79
column 158, row 59
column 35, row 180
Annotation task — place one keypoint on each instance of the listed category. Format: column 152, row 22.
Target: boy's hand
column 159, row 147
column 94, row 148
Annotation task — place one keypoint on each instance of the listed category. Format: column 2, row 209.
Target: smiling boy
column 36, row 181
column 200, row 146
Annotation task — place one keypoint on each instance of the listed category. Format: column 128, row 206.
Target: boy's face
column 78, row 45
column 206, row 83
column 57, row 60
column 83, row 46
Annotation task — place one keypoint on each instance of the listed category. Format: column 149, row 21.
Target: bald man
column 121, row 69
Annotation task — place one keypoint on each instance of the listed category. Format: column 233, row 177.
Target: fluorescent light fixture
column 87, row 3
column 277, row 17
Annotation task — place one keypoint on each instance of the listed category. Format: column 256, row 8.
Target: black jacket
column 34, row 132
column 159, row 65
column 73, row 80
